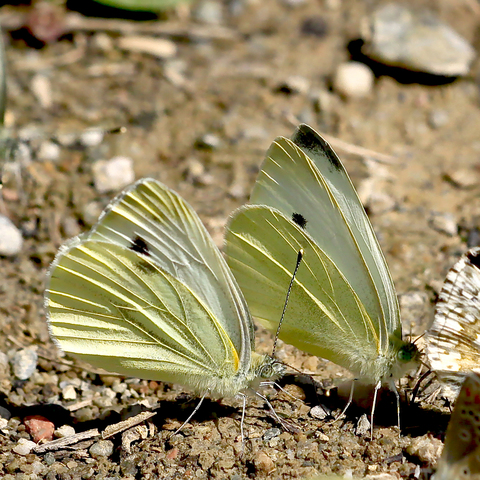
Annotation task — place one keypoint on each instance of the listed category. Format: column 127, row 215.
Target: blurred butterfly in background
column 460, row 459
column 453, row 339
column 146, row 293
column 342, row 305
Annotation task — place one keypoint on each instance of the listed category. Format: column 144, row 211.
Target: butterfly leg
column 191, row 415
column 375, row 394
column 349, row 402
column 242, row 421
column 283, row 423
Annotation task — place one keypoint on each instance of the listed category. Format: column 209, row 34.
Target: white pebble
column 353, row 80
column 42, row 89
column 11, row 240
column 24, row 446
column 444, row 223
column 318, row 412
column 4, row 365
column 69, row 393
column 113, row 174
column 296, row 84
column 157, row 47
column 209, row 12
column 92, row 137
column 48, row 152
column 25, row 362
column 64, row 431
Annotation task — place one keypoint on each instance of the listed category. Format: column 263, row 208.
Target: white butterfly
column 460, row 459
column 343, row 305
column 453, row 339
column 146, row 293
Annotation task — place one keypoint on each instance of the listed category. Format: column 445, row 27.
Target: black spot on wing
column 300, row 220
column 309, row 140
column 139, row 245
column 474, row 258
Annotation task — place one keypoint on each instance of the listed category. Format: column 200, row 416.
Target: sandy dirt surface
column 232, row 86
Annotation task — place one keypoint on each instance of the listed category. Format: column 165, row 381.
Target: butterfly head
column 270, row 369
column 408, row 352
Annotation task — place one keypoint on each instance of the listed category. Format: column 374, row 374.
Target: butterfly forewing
column 350, row 207
column 292, row 183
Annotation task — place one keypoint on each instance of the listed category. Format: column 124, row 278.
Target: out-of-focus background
column 203, row 87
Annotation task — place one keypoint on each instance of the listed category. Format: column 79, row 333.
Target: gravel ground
column 200, row 111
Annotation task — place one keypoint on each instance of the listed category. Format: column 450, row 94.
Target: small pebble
column 64, row 431
column 444, row 223
column 113, row 174
column 263, row 463
column 363, row 426
column 271, row 433
column 314, row 26
column 209, row 12
column 5, row 413
column 353, row 80
column 24, row 446
column 464, row 178
column 40, row 428
column 157, row 47
column 426, row 448
column 69, row 393
column 209, row 141
column 294, row 3
column 295, row 84
column 11, row 240
column 3, row 424
column 48, row 152
column 102, row 448
column 42, row 89
column 418, row 41
column 4, row 366
column 92, row 137
column 319, row 412
column 25, row 362
column 49, row 458
column 310, row 364
column 438, row 118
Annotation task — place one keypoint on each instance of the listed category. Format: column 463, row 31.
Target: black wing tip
column 307, row 138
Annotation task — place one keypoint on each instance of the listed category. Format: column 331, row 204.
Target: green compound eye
column 408, row 353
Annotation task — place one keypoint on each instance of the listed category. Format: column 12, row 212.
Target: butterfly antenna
column 417, row 386
column 299, row 260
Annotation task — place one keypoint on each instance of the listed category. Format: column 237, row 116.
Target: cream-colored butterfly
column 460, row 459
column 146, row 293
column 342, row 304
